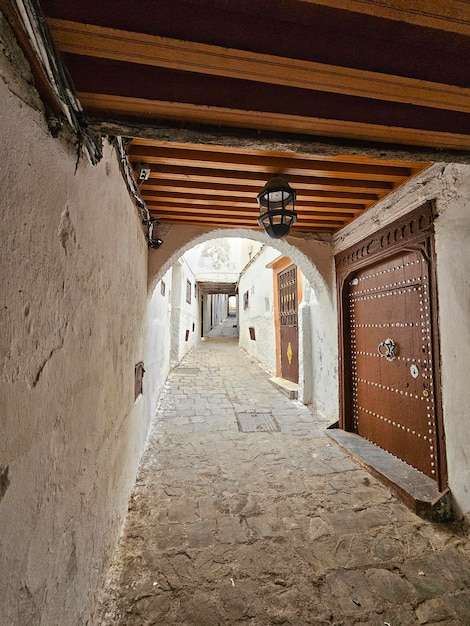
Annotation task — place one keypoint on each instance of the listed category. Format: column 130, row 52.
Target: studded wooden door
column 289, row 336
column 391, row 359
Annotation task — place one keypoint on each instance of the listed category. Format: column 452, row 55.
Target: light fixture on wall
column 276, row 203
column 153, row 240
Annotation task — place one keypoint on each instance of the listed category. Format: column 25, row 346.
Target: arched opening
column 317, row 377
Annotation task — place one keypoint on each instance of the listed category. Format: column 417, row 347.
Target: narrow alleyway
column 278, row 527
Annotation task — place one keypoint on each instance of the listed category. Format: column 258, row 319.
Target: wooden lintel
column 249, row 138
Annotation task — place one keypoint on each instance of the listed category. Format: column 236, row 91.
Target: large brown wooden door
column 391, row 358
column 289, row 336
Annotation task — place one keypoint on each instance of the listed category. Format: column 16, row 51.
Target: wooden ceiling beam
column 209, row 189
column 295, row 232
column 270, row 167
column 193, row 158
column 227, row 222
column 209, row 211
column 189, row 56
column 258, row 180
column 108, row 106
column 452, row 15
column 181, row 202
column 286, row 153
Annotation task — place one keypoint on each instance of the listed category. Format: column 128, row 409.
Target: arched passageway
column 318, row 379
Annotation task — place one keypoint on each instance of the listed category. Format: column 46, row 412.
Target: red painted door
column 391, row 359
column 289, row 336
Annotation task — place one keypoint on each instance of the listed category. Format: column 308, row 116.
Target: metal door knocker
column 387, row 349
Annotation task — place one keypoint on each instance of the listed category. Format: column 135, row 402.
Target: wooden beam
column 109, row 105
column 212, row 212
column 189, row 56
column 285, row 153
column 188, row 188
column 258, row 180
column 452, row 15
column 197, row 158
column 204, row 221
column 183, row 204
column 180, row 204
column 229, row 137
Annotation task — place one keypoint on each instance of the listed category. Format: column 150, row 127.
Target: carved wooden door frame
column 415, row 231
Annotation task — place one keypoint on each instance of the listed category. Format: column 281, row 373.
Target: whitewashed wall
column 257, row 280
column 449, row 187
column 207, row 314
column 158, row 342
column 221, row 259
column 219, row 308
column 185, row 316
column 453, row 268
column 73, row 300
column 323, row 370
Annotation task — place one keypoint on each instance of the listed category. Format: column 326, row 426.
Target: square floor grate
column 256, row 423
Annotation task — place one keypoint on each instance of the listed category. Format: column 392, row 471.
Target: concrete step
column 418, row 491
column 288, row 388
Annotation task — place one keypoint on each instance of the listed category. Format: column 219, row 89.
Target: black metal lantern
column 276, row 203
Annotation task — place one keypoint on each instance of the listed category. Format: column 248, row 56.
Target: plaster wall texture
column 448, row 185
column 306, row 372
column 206, row 316
column 157, row 343
column 222, row 259
column 453, row 271
column 74, row 295
column 324, row 355
column 257, row 280
column 219, row 308
column 185, row 315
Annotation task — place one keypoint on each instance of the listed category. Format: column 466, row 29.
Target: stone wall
column 74, row 294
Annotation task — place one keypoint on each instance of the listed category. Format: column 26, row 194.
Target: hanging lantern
column 276, row 203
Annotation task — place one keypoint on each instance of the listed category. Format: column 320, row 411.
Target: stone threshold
column 419, row 492
column 288, row 388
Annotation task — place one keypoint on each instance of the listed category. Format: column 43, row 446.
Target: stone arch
column 314, row 257
column 306, row 262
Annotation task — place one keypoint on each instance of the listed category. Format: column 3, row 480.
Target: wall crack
column 4, row 480
column 45, row 362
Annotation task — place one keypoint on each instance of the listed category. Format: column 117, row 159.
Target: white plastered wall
column 185, row 316
column 158, row 342
column 219, row 308
column 449, row 187
column 257, row 280
column 73, row 300
column 453, row 271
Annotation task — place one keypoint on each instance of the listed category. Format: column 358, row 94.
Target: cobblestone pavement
column 226, row 330
column 261, row 528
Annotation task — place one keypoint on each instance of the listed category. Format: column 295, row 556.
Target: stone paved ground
column 264, row 528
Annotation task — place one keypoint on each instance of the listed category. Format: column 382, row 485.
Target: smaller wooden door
column 288, row 324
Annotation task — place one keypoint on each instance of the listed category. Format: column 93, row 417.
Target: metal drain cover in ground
column 256, row 422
